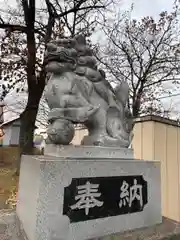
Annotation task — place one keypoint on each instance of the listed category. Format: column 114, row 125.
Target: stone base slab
column 167, row 230
column 43, row 180
column 88, row 152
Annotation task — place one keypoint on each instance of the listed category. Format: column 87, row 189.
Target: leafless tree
column 146, row 54
column 38, row 25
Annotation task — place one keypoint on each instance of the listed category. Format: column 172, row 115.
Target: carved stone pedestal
column 79, row 193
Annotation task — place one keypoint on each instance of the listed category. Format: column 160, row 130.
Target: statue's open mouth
column 62, row 58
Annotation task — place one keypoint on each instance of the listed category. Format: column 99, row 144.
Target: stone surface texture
column 78, row 92
column 41, row 193
column 167, row 230
column 88, row 152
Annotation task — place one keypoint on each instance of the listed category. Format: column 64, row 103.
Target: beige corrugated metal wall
column 158, row 139
column 80, row 133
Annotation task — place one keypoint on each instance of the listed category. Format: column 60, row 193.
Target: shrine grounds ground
column 8, row 180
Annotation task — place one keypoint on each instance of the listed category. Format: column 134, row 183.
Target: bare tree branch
column 144, row 53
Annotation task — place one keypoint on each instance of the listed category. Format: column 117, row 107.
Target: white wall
column 7, row 135
column 11, row 133
column 15, row 131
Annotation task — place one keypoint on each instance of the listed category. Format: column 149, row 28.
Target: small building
column 9, row 142
column 9, row 128
column 1, row 136
column 11, row 131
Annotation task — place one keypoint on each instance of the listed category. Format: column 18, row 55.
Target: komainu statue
column 78, row 92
